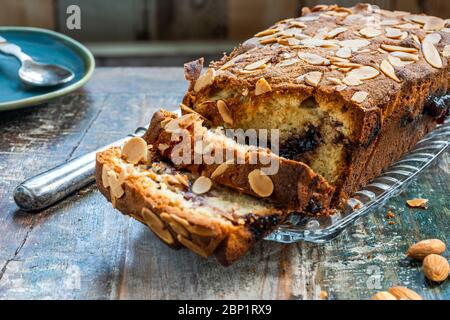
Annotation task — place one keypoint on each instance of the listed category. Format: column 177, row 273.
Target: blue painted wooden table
column 83, row 249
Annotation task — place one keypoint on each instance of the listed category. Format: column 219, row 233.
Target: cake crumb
column 391, row 222
column 417, row 203
column 323, row 295
column 390, row 215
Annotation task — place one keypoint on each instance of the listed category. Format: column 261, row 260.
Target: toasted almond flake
column 314, row 42
column 364, row 73
column 370, row 32
column 312, row 58
column 360, row 96
column 338, row 59
column 313, row 78
column 345, row 70
column 202, row 185
column 431, row 54
column 260, row 64
column 163, row 147
column 308, row 18
column 352, row 81
column 341, row 87
column 389, row 22
column 296, row 24
column 416, row 39
column 266, row 32
column 260, row 183
column 434, row 38
column 404, row 56
column 434, row 24
column 288, row 62
column 446, row 52
column 363, row 51
column 389, row 70
column 347, row 64
column 421, row 19
column 417, row 203
column 225, row 113
column 221, row 168
column 382, row 51
column 333, row 33
column 205, row 80
column 135, row 150
column 302, row 36
column 408, row 26
column 335, row 80
column 447, row 30
column 268, row 40
column 344, row 52
column 293, row 42
column 393, row 33
column 392, row 48
column 397, row 62
column 354, row 43
column 300, row 78
column 262, row 86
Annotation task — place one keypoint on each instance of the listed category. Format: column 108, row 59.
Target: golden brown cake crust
column 226, row 235
column 295, row 185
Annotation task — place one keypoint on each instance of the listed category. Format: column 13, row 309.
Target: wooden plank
column 84, row 249
column 28, row 13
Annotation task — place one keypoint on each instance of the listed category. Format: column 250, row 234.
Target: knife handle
column 45, row 189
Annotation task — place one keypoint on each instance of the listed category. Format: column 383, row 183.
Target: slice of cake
column 351, row 89
column 182, row 209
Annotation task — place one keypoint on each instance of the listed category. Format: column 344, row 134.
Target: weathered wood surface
column 84, row 249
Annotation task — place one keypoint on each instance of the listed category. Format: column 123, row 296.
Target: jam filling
column 297, row 145
column 438, row 106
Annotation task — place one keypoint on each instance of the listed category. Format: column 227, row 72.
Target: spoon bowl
column 44, row 75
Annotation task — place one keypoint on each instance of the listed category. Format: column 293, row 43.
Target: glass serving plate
column 390, row 183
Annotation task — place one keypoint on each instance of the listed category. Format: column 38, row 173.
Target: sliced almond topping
column 434, row 24
column 431, row 54
column 220, row 169
column 225, row 113
column 105, row 180
column 392, row 48
column 341, row 88
column 314, row 42
column 266, row 32
column 347, row 64
column 344, row 53
column 268, row 40
column 360, row 96
column 153, row 222
column 135, row 150
column 205, row 80
column 202, row 185
column 260, row 64
column 418, row 203
column 397, row 62
column 288, row 62
column 354, row 44
column 312, row 58
column 408, row 26
column 389, row 70
column 163, row 147
column 393, row 33
column 115, row 183
column 352, row 81
column 260, row 183
column 370, row 32
column 313, row 78
column 446, row 52
column 364, row 73
column 262, row 86
column 416, row 39
column 296, row 24
column 335, row 80
column 404, row 56
column 333, row 33
column 421, row 19
column 434, row 38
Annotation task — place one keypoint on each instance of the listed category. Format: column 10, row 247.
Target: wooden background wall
column 130, row 20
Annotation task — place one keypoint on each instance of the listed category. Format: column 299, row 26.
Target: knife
column 45, row 189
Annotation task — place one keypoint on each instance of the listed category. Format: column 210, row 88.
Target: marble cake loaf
column 351, row 89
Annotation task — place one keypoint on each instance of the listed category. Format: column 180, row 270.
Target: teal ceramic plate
column 44, row 46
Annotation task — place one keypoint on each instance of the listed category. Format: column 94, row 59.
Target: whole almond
column 403, row 293
column 423, row 248
column 383, row 295
column 435, row 268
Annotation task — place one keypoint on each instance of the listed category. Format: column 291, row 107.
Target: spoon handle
column 13, row 50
